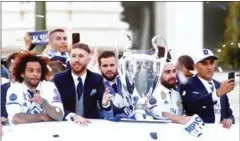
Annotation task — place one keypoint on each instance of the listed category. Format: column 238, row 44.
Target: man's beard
column 30, row 84
column 110, row 78
column 167, row 84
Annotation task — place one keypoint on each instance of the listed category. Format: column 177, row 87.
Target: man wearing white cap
column 205, row 96
column 167, row 102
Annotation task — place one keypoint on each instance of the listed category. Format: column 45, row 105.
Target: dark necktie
column 211, row 86
column 114, row 86
column 79, row 88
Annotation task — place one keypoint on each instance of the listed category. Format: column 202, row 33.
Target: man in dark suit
column 82, row 91
column 205, row 96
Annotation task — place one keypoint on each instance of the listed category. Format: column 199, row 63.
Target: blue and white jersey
column 119, row 99
column 56, row 55
column 166, row 100
column 18, row 95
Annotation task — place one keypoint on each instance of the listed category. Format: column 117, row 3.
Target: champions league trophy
column 139, row 71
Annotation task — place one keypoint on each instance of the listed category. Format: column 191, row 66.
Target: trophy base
column 146, row 120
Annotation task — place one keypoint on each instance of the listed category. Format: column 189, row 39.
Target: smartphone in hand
column 75, row 38
column 231, row 75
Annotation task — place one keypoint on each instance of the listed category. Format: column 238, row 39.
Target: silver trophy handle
column 127, row 46
column 126, row 51
column 162, row 60
column 117, row 45
column 155, row 46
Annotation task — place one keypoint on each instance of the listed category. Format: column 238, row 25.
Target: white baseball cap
column 205, row 54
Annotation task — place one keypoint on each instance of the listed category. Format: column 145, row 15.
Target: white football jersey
column 166, row 101
column 18, row 96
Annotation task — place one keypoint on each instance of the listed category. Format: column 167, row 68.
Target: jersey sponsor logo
column 13, row 97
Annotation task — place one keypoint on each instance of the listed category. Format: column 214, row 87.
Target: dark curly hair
column 23, row 59
column 10, row 58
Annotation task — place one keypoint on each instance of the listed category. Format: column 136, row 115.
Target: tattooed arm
column 20, row 118
column 54, row 112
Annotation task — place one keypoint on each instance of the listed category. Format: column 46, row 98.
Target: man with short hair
column 57, row 46
column 185, row 68
column 205, row 96
column 108, row 67
column 185, row 64
column 82, row 91
column 31, row 98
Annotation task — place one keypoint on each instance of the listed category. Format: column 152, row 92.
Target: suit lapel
column 197, row 82
column 71, row 87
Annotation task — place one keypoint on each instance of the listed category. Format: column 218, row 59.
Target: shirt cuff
column 68, row 117
column 214, row 96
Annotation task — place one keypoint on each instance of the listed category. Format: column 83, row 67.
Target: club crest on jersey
column 163, row 95
column 152, row 101
column 13, row 97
